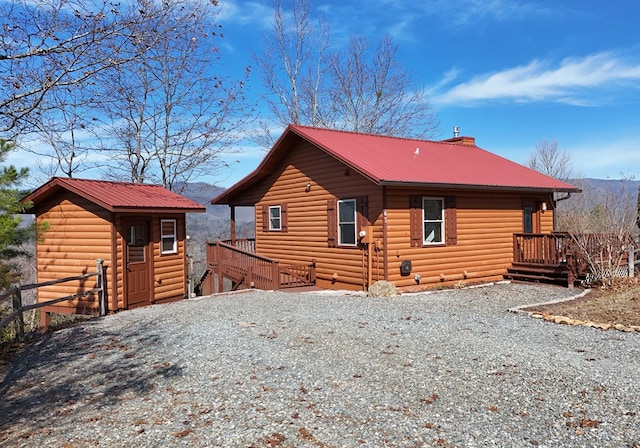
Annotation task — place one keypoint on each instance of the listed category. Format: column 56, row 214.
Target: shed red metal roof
column 118, row 196
column 389, row 160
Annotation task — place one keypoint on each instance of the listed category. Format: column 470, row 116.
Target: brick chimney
column 460, row 140
column 464, row 141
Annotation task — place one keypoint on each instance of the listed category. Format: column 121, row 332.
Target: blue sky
column 509, row 73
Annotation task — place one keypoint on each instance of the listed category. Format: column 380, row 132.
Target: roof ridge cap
column 368, row 134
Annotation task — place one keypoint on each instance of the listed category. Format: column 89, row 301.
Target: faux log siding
column 306, row 239
column 79, row 233
column 486, row 223
column 168, row 270
column 118, row 268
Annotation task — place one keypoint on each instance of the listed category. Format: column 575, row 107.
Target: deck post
column 218, row 257
column 233, row 224
column 276, row 276
column 631, row 259
column 17, row 307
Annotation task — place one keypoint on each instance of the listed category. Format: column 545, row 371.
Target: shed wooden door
column 137, row 264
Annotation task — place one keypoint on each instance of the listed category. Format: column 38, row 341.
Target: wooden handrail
column 238, row 262
column 19, row 308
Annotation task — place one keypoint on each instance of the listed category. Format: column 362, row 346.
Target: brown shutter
column 265, row 218
column 450, row 220
column 362, row 207
column 332, row 223
column 284, row 212
column 415, row 220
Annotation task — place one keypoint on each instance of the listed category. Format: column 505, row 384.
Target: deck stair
column 533, row 272
column 545, row 258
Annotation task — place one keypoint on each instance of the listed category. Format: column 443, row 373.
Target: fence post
column 102, row 309
column 17, row 307
column 190, row 279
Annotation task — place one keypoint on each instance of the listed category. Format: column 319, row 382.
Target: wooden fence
column 19, row 308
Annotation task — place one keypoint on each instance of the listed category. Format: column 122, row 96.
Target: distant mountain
column 203, row 193
column 616, row 186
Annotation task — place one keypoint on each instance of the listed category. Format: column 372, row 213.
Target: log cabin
column 137, row 230
column 360, row 208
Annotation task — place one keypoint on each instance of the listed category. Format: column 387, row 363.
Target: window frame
column 341, row 224
column 424, row 221
column 279, row 218
column 173, row 237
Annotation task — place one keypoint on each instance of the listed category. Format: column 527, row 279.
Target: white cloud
column 245, row 13
column 607, row 158
column 539, row 81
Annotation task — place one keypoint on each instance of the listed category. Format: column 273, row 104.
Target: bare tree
column 371, row 93
column 357, row 88
column 549, row 159
column 52, row 44
column 292, row 66
column 602, row 224
column 170, row 112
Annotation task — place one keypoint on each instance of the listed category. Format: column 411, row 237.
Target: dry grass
column 617, row 305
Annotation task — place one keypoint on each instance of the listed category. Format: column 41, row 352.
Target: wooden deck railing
column 19, row 308
column 238, row 262
column 542, row 248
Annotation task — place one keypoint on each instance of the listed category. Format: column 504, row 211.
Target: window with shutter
column 169, row 237
column 432, row 220
column 332, row 223
column 284, row 217
column 415, row 220
column 347, row 222
column 275, row 219
column 451, row 220
column 265, row 218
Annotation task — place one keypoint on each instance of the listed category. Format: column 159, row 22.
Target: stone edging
column 567, row 320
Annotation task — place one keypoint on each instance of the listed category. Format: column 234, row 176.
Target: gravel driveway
column 270, row 369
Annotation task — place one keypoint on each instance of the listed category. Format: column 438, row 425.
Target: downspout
column 385, row 258
column 554, row 203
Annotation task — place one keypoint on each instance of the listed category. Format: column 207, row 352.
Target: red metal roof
column 391, row 160
column 402, row 161
column 118, row 196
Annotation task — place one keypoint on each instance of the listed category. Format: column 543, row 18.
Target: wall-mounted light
column 308, row 187
column 543, row 206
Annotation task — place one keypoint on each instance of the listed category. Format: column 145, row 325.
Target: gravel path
column 268, row 369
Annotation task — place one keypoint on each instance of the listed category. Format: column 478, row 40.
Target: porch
column 557, row 258
column 236, row 264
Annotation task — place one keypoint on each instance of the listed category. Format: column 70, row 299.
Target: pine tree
column 12, row 234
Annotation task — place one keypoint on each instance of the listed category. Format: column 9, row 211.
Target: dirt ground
column 617, row 305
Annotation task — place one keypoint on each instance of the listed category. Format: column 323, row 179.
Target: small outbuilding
column 138, row 230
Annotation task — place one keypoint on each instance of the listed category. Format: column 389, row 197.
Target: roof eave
column 158, row 210
column 393, row 183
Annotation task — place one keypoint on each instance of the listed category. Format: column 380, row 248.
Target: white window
column 168, row 236
column 433, row 220
column 347, row 222
column 275, row 217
